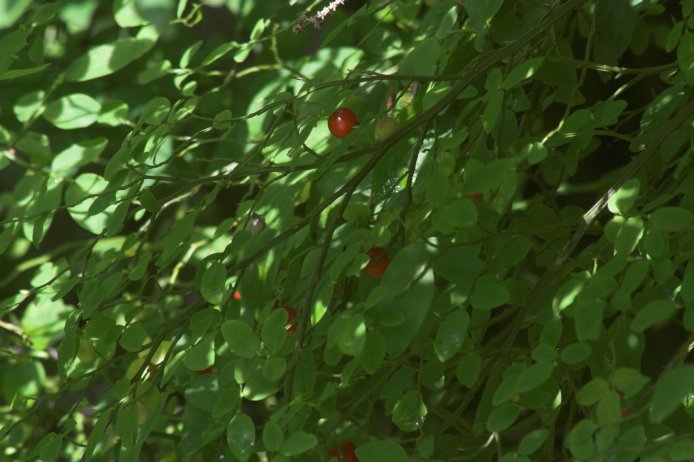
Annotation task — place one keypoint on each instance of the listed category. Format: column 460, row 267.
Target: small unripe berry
column 385, row 127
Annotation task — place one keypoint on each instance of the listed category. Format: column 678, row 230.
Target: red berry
column 237, row 295
column 290, row 326
column 625, row 412
column 342, row 121
column 477, row 197
column 378, row 264
column 205, row 371
column 347, row 454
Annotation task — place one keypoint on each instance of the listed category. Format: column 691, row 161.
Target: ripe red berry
column 291, row 324
column 205, row 371
column 346, row 454
column 378, row 264
column 237, row 295
column 342, row 121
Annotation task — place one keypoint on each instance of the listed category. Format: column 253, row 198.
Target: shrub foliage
column 183, row 243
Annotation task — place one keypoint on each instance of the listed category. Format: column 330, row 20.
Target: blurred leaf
column 532, row 441
column 522, row 71
column 451, row 334
column 348, row 331
column 298, row 443
column 106, row 59
column 73, row 111
column 591, row 392
column 489, row 293
column 240, row 338
column 241, row 436
column 670, row 391
column 409, row 412
column 503, row 417
column 614, row 25
column 373, row 353
column 272, row 436
column 213, row 285
column 381, row 451
column 671, row 219
column 468, row 369
column 625, row 197
column 653, row 313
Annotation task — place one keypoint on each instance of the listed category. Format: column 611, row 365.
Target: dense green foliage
column 170, row 195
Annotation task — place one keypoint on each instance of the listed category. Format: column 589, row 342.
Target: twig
column 317, row 18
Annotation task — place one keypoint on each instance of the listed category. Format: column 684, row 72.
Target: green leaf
column 213, row 285
column 503, row 417
column 373, row 353
column 653, row 313
column 27, row 105
column 274, row 368
column 19, row 73
column 97, row 432
column 126, row 15
column 522, row 71
column 48, row 448
column 437, row 188
column 274, row 333
column 73, row 111
column 381, row 451
column 272, row 436
column 487, row 178
column 227, row 401
column 409, row 412
column 155, row 111
column 200, row 356
column 456, row 214
column 685, row 56
column 534, row 376
column 133, row 337
column 414, row 305
column 240, row 338
column 422, row 58
column 592, row 391
column 11, row 11
column 628, row 381
column 481, row 13
column 298, row 443
column 532, row 441
column 126, row 424
column 673, row 387
column 77, row 155
column 79, row 198
column 468, row 369
column 106, row 59
column 625, row 197
column 241, row 436
column 671, row 219
column 580, row 440
column 614, row 26
column 575, row 353
column 535, row 152
column 607, row 113
column 348, row 331
column 588, row 319
column 489, row 292
column 451, row 334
